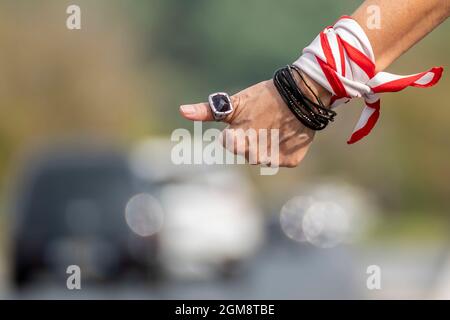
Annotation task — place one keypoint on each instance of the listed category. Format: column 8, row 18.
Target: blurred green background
column 123, row 76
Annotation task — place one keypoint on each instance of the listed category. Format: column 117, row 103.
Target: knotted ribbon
column 341, row 59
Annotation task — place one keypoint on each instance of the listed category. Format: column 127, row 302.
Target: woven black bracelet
column 311, row 114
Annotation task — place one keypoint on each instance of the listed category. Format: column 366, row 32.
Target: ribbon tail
column 388, row 82
column 367, row 121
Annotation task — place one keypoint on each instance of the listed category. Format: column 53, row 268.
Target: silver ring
column 220, row 104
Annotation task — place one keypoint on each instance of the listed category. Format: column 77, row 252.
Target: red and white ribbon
column 341, row 59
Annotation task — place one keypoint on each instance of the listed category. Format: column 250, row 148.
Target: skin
column 404, row 23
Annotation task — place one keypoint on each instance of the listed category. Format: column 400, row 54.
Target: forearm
column 402, row 24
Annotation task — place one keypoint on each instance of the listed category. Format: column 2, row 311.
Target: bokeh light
column 327, row 214
column 144, row 215
column 325, row 224
column 291, row 217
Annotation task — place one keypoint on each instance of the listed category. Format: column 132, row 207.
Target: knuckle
column 226, row 139
column 290, row 163
column 250, row 156
column 236, row 101
column 202, row 110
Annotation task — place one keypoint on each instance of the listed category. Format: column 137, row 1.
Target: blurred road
column 282, row 270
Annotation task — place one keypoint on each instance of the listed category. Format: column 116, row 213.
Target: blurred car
column 212, row 222
column 70, row 211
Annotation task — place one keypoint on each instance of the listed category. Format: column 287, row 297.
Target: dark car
column 70, row 211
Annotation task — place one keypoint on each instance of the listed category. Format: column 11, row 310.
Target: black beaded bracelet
column 311, row 114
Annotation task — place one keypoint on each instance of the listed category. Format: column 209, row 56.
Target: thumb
column 202, row 111
column 197, row 112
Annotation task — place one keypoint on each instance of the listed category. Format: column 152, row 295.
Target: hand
column 261, row 107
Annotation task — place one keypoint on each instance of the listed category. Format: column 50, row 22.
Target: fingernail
column 188, row 110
